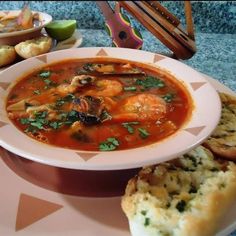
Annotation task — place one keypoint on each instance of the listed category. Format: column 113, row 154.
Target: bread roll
column 223, row 140
column 185, row 197
column 7, row 55
column 34, row 47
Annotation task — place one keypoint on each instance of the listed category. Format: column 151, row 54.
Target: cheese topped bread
column 223, row 140
column 184, row 197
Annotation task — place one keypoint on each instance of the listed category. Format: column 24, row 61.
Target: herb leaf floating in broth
column 143, row 133
column 150, row 82
column 109, row 145
column 131, row 88
column 168, row 97
column 37, row 91
column 128, row 126
column 37, row 123
column 45, row 74
column 55, row 124
column 108, row 106
column 106, row 69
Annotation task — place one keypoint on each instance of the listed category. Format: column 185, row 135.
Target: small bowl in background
column 13, row 38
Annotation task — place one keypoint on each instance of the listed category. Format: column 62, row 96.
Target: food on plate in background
column 25, row 20
column 61, row 29
column 187, row 196
column 7, row 55
column 99, row 104
column 223, row 140
column 34, row 47
column 74, row 41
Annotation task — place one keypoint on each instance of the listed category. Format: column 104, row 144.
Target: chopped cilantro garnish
column 55, row 124
column 37, row 92
column 192, row 189
column 147, row 221
column 105, row 115
column 72, row 116
column 37, row 123
column 109, row 145
column 214, row 169
column 143, row 133
column 42, row 114
column 131, row 88
column 47, row 81
column 168, row 97
column 113, row 141
column 24, row 121
column 128, row 126
column 150, row 82
column 61, row 101
column 143, row 212
column 181, row 206
column 45, row 74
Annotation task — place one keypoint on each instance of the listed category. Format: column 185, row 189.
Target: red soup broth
column 99, row 104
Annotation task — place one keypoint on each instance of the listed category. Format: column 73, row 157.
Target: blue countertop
column 215, row 54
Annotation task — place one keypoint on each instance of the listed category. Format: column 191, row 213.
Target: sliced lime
column 61, row 29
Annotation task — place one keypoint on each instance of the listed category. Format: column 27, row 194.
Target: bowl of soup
column 13, row 32
column 104, row 108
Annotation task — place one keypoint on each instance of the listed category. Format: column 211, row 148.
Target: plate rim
column 87, row 165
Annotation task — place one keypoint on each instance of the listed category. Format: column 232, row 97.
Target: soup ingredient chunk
column 106, row 87
column 89, row 109
column 96, row 68
column 141, row 107
column 76, row 83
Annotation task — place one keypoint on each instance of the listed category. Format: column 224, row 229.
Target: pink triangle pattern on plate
column 2, row 124
column 102, row 52
column 32, row 209
column 157, row 58
column 4, row 85
column 42, row 58
column 86, row 156
column 197, row 85
column 195, row 130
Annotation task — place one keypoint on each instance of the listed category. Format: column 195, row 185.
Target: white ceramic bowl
column 205, row 116
column 12, row 38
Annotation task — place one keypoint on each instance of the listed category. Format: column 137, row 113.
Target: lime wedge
column 61, row 29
